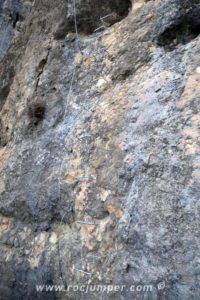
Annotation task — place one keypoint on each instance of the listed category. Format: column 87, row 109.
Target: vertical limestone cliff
column 100, row 148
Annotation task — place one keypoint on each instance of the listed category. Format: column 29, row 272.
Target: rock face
column 99, row 149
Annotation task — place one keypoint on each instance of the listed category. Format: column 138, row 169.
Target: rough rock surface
column 99, row 148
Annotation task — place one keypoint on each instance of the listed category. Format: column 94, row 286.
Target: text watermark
column 84, row 288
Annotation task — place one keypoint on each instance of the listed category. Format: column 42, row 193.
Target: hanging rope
column 61, row 166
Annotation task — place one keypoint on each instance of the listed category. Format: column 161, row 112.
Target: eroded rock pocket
column 92, row 15
column 181, row 31
column 36, row 112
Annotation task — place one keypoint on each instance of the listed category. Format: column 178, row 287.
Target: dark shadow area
column 7, row 74
column 19, row 281
column 92, row 15
column 181, row 31
column 36, row 112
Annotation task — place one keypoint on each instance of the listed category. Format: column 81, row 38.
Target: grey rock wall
column 99, row 149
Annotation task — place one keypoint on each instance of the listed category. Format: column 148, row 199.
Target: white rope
column 86, row 223
column 84, row 272
column 64, row 132
column 65, row 113
column 75, row 19
column 105, row 17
